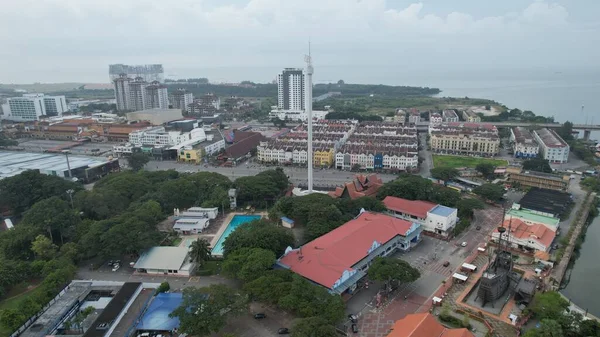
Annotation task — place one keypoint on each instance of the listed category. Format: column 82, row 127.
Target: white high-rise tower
column 308, row 107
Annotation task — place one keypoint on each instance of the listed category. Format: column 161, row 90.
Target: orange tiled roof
column 424, row 325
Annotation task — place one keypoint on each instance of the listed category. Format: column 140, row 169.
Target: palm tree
column 200, row 251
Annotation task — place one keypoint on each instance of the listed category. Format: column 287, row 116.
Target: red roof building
column 414, row 208
column 339, row 259
column 424, row 325
column 360, row 186
column 535, row 237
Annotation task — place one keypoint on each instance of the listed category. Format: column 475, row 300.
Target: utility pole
column 70, row 193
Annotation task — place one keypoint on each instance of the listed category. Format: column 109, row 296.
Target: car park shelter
column 156, row 317
column 165, row 261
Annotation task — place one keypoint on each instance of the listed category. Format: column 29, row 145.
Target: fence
column 35, row 317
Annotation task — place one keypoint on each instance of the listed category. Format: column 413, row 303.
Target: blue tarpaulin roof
column 157, row 317
column 288, row 220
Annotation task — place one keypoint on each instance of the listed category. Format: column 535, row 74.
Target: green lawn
column 456, row 161
column 13, row 303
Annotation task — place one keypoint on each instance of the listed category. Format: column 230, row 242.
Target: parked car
column 354, row 328
column 283, row 331
column 446, row 263
column 478, row 227
column 116, row 267
column 260, row 315
column 464, row 244
column 353, row 318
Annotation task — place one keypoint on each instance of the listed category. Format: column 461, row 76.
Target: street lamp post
column 66, row 152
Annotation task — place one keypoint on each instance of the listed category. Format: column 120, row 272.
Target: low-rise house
column 173, row 261
column 434, row 218
column 339, row 259
column 360, row 186
column 527, row 237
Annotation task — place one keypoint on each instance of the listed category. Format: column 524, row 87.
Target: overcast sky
column 75, row 40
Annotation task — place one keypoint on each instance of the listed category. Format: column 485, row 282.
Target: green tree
column 313, row 326
column 444, row 196
column 12, row 318
column 20, row 192
column 53, row 215
column 200, row 251
column 490, row 192
column 548, row 328
column 248, row 264
column 392, row 270
column 271, row 286
column 205, row 310
column 322, row 220
column 411, row 187
column 444, row 173
column 164, row 287
column 566, row 131
column 591, row 184
column 259, row 234
column 43, row 248
column 308, row 300
column 466, row 207
column 548, row 305
column 589, row 327
column 537, row 164
column 486, row 170
column 137, row 161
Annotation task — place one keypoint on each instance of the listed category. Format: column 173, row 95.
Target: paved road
column 297, row 175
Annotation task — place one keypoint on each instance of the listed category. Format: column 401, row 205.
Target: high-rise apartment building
column 180, row 99
column 137, row 94
column 31, row 107
column 55, row 105
column 290, row 89
column 123, row 92
column 156, row 96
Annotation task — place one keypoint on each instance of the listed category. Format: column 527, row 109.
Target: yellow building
column 464, row 143
column 323, row 157
column 191, row 155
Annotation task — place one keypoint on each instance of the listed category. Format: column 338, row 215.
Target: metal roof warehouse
column 14, row 163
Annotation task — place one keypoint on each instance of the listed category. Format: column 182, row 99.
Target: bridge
column 587, row 128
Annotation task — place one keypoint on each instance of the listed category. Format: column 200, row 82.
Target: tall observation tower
column 308, row 107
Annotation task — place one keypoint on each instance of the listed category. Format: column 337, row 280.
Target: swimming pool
column 235, row 222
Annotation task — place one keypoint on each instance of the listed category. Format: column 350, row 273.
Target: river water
column 584, row 285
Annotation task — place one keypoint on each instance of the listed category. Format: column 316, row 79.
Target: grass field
column 13, row 303
column 456, row 161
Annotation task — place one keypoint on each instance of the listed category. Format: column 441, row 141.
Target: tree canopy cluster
column 413, row 187
column 537, row 164
column 117, row 217
column 556, row 321
column 262, row 189
column 492, row 192
column 250, row 256
column 321, row 213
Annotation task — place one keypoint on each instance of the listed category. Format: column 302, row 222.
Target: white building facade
column 55, row 105
column 122, row 92
column 30, row 107
column 552, row 147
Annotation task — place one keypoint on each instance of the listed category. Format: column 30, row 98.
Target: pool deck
column 226, row 222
